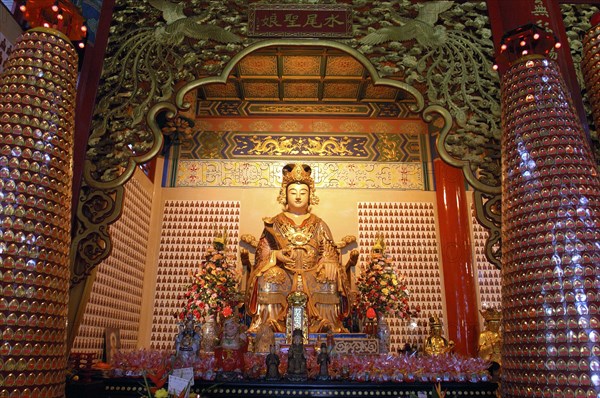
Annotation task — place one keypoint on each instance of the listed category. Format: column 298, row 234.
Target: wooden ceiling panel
column 300, row 65
column 344, row 65
column 221, row 91
column 336, row 90
column 380, row 93
column 301, row 91
column 258, row 65
column 261, row 90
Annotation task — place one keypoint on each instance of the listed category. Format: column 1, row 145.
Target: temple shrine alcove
column 398, row 114
column 369, row 140
column 220, row 122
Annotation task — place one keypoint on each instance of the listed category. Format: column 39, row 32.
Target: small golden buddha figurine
column 436, row 344
column 490, row 340
column 379, row 247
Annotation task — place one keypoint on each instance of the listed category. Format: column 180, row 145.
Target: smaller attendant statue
column 323, row 360
column 229, row 355
column 187, row 341
column 272, row 361
column 436, row 344
column 490, row 340
column 297, row 358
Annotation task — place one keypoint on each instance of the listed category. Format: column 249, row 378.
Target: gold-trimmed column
column 550, row 230
column 37, row 100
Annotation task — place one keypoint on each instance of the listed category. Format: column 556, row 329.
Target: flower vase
column 383, row 334
column 209, row 335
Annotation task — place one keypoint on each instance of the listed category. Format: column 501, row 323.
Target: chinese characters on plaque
column 300, row 20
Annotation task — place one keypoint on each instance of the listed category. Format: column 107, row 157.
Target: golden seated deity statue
column 296, row 245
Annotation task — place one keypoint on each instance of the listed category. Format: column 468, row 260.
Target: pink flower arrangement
column 382, row 289
column 214, row 287
column 204, row 366
column 400, row 368
column 137, row 362
column 355, row 367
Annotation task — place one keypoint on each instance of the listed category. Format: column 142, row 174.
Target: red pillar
column 86, row 94
column 457, row 259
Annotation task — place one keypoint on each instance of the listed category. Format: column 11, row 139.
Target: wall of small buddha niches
column 411, row 241
column 116, row 297
column 488, row 276
column 187, row 231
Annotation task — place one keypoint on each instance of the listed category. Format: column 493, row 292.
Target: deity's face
column 298, row 197
column 297, row 339
column 230, row 329
column 493, row 326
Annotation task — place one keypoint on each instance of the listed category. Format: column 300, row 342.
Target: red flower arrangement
column 214, row 288
column 381, row 289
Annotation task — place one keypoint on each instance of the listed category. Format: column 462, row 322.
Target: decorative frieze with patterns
column 333, row 175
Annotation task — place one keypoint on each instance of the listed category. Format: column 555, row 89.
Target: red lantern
column 524, row 40
column 371, row 313
column 61, row 15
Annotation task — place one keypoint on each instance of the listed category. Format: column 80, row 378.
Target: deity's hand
column 283, row 256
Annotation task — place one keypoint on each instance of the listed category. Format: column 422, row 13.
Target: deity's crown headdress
column 297, row 332
column 297, row 173
column 491, row 314
column 434, row 321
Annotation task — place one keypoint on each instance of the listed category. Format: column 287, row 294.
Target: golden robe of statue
column 296, row 242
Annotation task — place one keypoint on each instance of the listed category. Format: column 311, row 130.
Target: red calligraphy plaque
column 300, row 20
